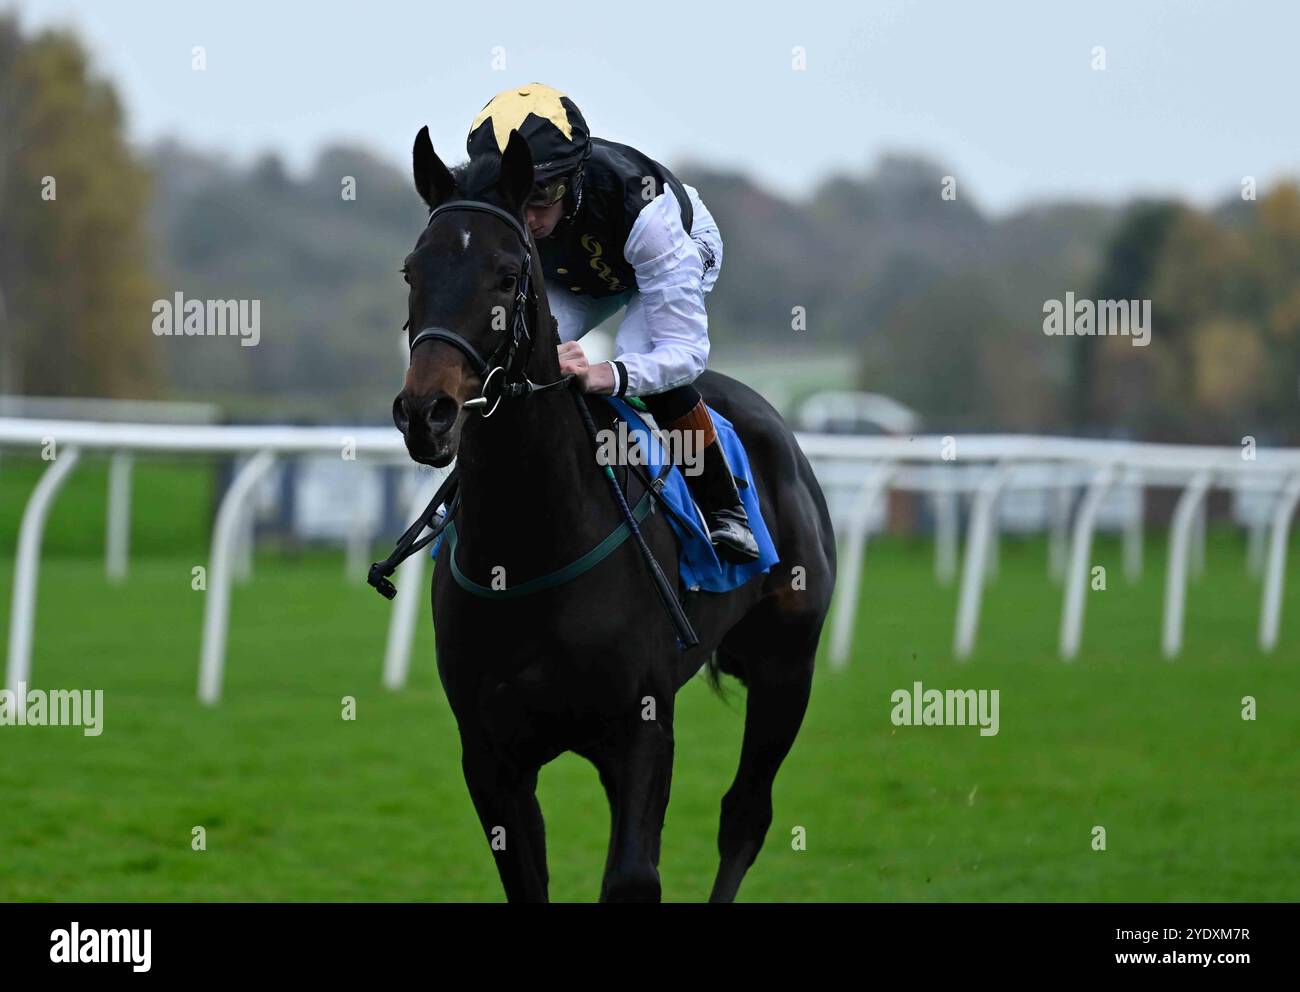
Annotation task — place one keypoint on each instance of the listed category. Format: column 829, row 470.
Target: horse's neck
column 529, row 486
column 531, row 491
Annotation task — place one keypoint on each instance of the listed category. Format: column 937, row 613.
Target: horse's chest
column 547, row 691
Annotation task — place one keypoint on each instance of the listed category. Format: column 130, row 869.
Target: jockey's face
column 543, row 218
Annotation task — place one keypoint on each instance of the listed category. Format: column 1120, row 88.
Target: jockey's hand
column 597, row 379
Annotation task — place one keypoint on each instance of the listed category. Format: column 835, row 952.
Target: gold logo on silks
column 600, row 266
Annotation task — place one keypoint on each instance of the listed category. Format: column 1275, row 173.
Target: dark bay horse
column 591, row 665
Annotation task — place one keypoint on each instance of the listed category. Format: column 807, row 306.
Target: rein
column 510, row 388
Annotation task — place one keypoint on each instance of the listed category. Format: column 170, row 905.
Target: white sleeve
column 670, row 292
column 575, row 315
column 705, row 233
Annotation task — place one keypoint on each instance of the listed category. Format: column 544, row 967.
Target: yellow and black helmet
column 549, row 121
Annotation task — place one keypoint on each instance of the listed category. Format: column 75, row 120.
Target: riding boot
column 714, row 489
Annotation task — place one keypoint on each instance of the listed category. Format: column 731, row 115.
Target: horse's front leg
column 505, row 798
column 636, row 766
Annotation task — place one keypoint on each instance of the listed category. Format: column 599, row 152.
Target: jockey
column 615, row 228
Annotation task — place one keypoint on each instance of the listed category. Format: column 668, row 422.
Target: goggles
column 544, row 194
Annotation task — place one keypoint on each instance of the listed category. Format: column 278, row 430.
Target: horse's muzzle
column 428, row 424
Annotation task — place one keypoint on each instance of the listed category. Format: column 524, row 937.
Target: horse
column 588, row 665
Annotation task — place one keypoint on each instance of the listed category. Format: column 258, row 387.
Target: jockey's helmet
column 556, row 133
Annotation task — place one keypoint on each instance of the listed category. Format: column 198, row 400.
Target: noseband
column 488, row 369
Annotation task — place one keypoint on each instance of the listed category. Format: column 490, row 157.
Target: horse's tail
column 717, row 665
column 713, row 672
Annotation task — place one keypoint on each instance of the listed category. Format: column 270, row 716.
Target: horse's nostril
column 401, row 415
column 440, row 414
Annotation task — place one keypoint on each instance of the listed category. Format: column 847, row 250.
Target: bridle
column 448, row 493
column 518, row 332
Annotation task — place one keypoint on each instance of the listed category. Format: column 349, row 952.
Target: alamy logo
column 684, row 448
column 921, row 707
column 1099, row 318
column 179, row 317
column 77, row 946
column 23, row 707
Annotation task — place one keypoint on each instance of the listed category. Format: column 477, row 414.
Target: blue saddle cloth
column 697, row 561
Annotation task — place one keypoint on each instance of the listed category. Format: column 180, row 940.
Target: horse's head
column 464, row 274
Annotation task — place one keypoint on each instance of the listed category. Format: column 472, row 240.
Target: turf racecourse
column 298, row 804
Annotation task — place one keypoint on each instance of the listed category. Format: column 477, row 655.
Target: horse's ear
column 516, row 180
column 433, row 181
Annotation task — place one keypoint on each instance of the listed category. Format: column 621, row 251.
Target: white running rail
column 979, row 468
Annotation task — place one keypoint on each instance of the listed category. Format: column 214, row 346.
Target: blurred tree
column 325, row 267
column 1198, row 302
column 1127, row 269
column 1229, row 357
column 954, row 354
column 1278, row 267
column 75, row 289
column 1224, row 358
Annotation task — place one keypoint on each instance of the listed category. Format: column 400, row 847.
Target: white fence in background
column 1009, row 482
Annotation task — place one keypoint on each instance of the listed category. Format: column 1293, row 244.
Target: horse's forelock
column 458, row 174
column 474, row 180
column 478, row 178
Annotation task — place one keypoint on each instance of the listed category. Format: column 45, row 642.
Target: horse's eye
column 406, row 275
column 508, row 282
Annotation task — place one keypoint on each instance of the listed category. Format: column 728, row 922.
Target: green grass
column 171, row 506
column 299, row 804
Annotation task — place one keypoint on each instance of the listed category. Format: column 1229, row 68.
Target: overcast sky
column 1194, row 96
